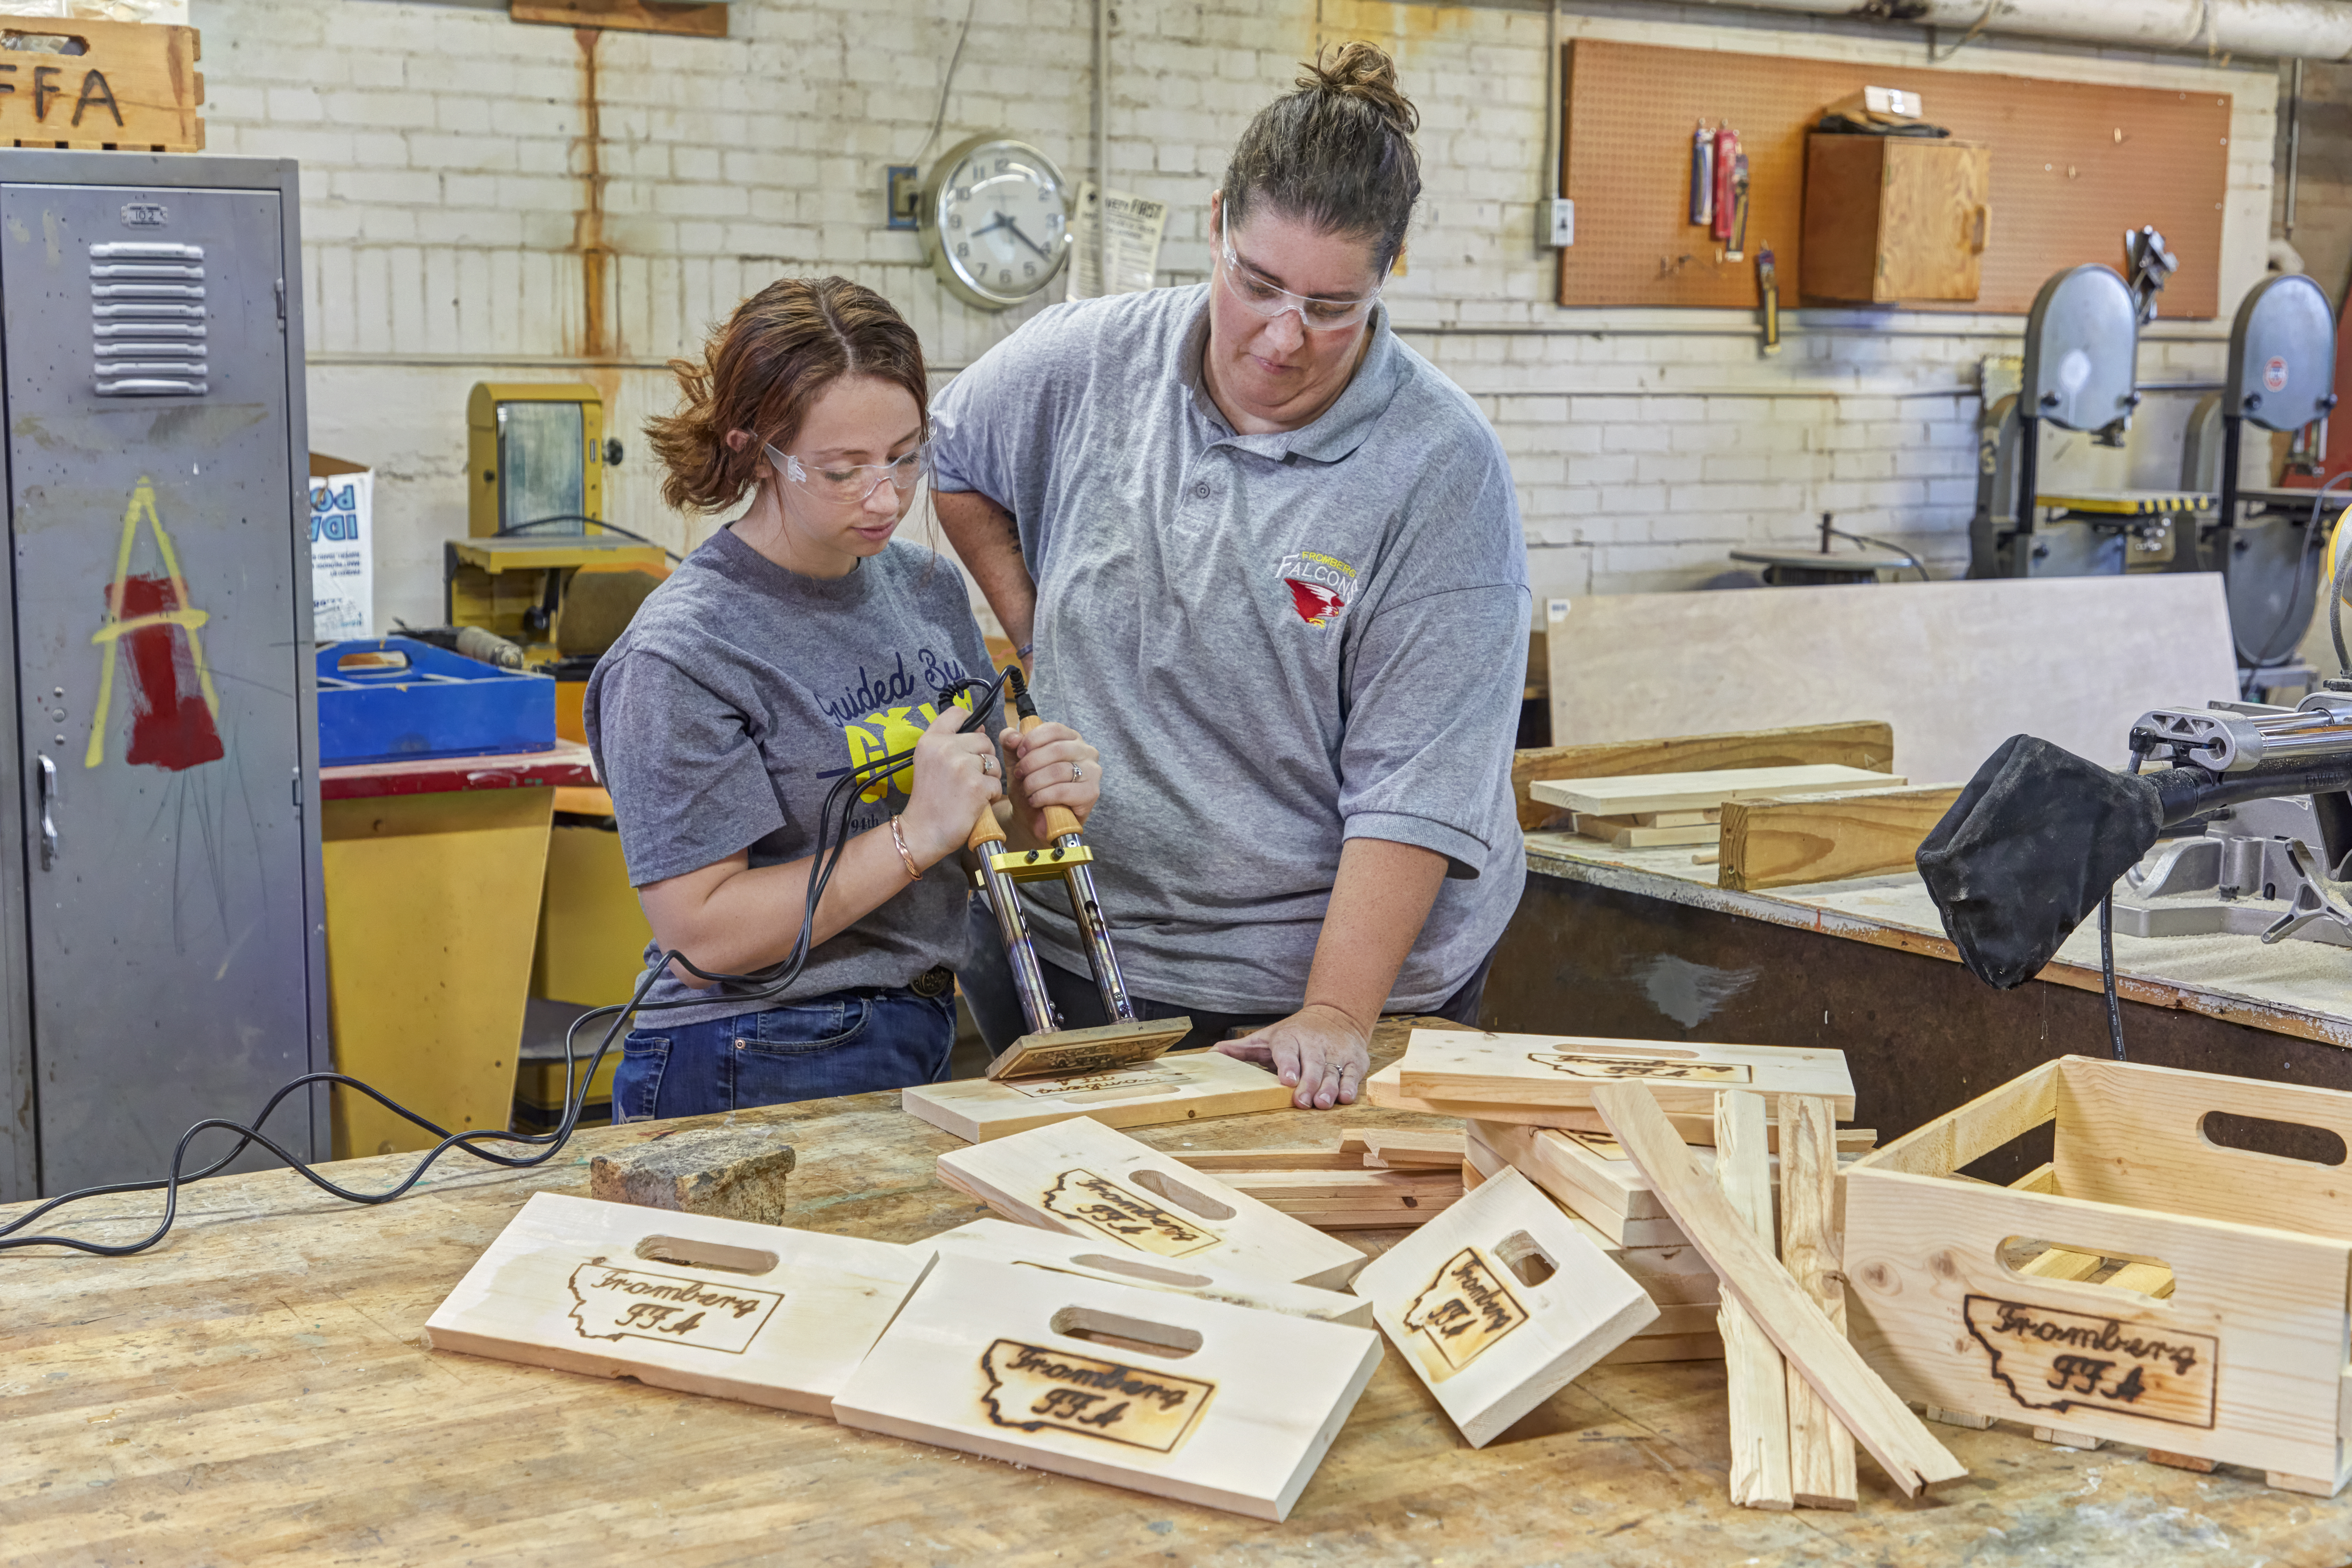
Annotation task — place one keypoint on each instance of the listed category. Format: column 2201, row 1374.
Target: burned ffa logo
column 1460, row 1313
column 1321, row 585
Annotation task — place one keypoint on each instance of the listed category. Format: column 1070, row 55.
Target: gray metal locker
column 161, row 925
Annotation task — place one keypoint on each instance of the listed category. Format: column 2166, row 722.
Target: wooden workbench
column 255, row 1389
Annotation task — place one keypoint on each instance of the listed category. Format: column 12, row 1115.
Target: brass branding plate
column 2050, row 1358
column 1037, row 1388
column 1459, row 1315
column 610, row 1303
column 1125, row 1216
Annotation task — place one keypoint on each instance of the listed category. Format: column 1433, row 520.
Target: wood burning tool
column 1702, row 175
column 1048, row 1048
column 1736, row 246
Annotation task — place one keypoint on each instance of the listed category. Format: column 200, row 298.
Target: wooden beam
column 1855, row 1395
column 1756, row 1376
column 691, row 19
column 1825, row 837
column 1860, row 743
column 1821, row 1451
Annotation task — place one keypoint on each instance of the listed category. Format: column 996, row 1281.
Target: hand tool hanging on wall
column 1048, row 1048
column 1738, row 248
column 1702, row 175
column 1767, row 289
column 1727, row 157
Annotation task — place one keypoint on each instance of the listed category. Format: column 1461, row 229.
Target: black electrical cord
column 762, row 983
column 511, row 530
column 2107, row 950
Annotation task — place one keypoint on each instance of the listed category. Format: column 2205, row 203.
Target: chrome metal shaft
column 1028, row 979
column 1095, row 931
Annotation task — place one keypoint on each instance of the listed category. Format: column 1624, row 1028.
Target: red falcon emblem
column 1315, row 604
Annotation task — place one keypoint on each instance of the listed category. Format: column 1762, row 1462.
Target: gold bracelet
column 914, row 873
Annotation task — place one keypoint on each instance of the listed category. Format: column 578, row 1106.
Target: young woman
column 797, row 644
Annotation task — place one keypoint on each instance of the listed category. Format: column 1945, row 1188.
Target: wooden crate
column 1892, row 218
column 1953, row 1301
column 132, row 87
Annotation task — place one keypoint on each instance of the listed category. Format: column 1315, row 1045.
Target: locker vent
column 147, row 318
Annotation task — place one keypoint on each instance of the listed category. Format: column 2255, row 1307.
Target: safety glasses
column 1271, row 299
column 850, row 484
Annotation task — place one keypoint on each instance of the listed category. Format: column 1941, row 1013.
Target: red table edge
column 567, row 765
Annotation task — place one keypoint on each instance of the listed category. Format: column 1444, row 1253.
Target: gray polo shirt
column 1278, row 642
column 722, row 718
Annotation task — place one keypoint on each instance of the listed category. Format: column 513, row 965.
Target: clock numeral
column 964, row 193
column 963, row 248
column 1028, row 269
column 1002, row 165
column 955, row 220
column 1004, row 275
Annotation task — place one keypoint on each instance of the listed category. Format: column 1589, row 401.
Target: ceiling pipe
column 2283, row 29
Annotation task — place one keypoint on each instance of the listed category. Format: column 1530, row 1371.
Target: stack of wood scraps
column 1654, row 810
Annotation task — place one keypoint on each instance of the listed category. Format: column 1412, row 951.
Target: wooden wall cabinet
column 1892, row 219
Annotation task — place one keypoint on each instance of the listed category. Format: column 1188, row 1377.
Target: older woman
column 1270, row 561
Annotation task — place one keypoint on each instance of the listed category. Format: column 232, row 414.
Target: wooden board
column 1352, row 1200
column 1617, row 798
column 1078, row 1053
column 1827, row 838
column 1821, row 1451
column 1462, row 1066
column 1160, row 1393
column 1186, row 1086
column 1858, row 744
column 1496, row 1305
column 2074, row 165
column 692, row 19
column 1086, row 1179
column 1856, row 1396
column 724, row 1307
column 1756, row 1379
column 1629, row 833
column 132, row 87
column 1630, row 665
column 1001, row 1241
column 1404, row 1146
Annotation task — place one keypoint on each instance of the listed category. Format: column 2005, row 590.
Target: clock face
column 995, row 219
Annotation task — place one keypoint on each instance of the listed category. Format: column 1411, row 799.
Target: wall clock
column 995, row 221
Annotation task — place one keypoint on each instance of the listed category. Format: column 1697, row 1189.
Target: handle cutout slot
column 2278, row 1139
column 1524, row 1256
column 1168, row 1340
column 372, row 660
column 1134, row 1270
column 40, row 43
column 706, row 1255
column 2030, row 1257
column 1183, row 1196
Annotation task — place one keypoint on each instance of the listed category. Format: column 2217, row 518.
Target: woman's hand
column 955, row 780
column 1318, row 1052
column 1053, row 766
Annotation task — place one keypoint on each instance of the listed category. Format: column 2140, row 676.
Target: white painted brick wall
column 444, row 166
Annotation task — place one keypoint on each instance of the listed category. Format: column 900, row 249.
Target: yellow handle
column 1059, row 820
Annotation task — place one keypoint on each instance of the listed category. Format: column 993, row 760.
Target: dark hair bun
column 1365, row 72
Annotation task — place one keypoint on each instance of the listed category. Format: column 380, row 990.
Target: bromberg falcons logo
column 1321, row 585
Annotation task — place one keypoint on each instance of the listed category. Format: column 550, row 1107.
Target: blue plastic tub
column 397, row 699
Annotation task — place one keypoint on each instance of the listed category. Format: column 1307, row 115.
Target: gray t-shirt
column 737, row 698
column 1278, row 642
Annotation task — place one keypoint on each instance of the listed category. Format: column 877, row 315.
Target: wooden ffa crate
column 2150, row 1285
column 1894, row 218
column 103, row 86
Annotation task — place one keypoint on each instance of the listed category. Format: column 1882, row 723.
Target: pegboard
column 2074, row 165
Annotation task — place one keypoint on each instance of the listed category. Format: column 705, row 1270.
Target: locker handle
column 48, row 823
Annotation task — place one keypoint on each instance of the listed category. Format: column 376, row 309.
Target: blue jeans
column 847, row 1042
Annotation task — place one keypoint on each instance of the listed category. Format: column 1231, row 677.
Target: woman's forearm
column 1379, row 901
column 749, row 918
column 988, row 543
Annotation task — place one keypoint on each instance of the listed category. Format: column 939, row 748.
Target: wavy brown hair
column 761, row 371
column 1336, row 153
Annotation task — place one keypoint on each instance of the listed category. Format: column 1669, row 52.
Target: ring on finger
column 1077, row 774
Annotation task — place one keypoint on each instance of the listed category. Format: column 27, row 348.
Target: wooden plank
column 1312, row 1157
column 2242, row 1363
column 1824, row 838
column 1404, row 1145
column 1463, row 1067
column 1167, row 1394
column 1757, row 1378
column 1820, row 1450
column 132, row 86
column 1186, row 1086
column 1001, row 1241
column 1352, row 1188
column 722, row 1307
column 1701, row 791
column 1498, row 1304
column 1994, row 1117
column 689, row 19
column 1636, row 837
column 1629, row 665
column 1861, row 743
column 1855, row 1395
column 1086, row 1179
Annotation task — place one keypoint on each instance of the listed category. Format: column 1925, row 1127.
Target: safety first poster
column 343, row 548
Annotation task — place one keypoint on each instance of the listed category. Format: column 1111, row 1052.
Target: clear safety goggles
column 850, row 485
column 1271, row 300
